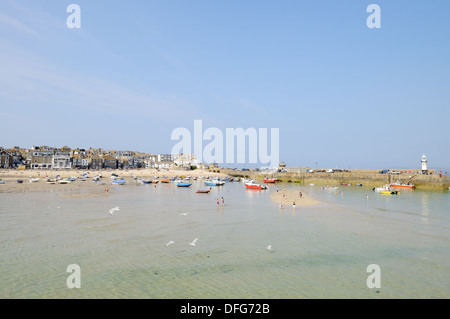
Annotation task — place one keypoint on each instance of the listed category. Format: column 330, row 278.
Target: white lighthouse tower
column 424, row 164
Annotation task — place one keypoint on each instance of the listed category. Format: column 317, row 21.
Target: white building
column 186, row 160
column 61, row 162
column 163, row 165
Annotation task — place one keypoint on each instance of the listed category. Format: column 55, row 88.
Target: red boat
column 203, row 192
column 252, row 185
column 271, row 180
column 405, row 186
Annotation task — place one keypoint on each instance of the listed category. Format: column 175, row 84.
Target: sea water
column 315, row 252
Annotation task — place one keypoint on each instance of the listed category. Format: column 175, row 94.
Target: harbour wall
column 365, row 177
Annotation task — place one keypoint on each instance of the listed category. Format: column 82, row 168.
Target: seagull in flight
column 170, row 243
column 112, row 210
column 184, row 214
column 269, row 247
column 193, row 242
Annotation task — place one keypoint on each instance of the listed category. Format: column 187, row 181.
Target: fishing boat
column 270, row 180
column 71, row 179
column 329, row 188
column 203, row 191
column 64, row 181
column 184, row 184
column 119, row 182
column 155, row 181
column 214, row 182
column 253, row 185
column 146, row 181
column 358, row 184
column 19, row 181
column 346, row 184
column 51, row 181
column 165, row 181
column 2, row 182
column 34, row 180
column 404, row 186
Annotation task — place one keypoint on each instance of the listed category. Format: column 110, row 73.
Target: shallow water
column 317, row 252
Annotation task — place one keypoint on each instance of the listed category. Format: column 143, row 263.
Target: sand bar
column 293, row 195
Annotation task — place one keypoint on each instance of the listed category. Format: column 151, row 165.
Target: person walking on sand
column 293, row 205
column 223, row 202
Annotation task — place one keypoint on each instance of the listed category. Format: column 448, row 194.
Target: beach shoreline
column 125, row 173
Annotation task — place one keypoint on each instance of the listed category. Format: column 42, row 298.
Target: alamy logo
column 74, row 279
column 374, row 20
column 216, row 151
column 74, row 19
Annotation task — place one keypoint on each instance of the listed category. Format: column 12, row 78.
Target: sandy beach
column 129, row 173
column 291, row 196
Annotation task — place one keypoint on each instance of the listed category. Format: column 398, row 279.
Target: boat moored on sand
column 119, row 182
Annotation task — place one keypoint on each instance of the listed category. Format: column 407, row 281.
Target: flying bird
column 269, row 247
column 193, row 242
column 112, row 210
column 170, row 243
column 184, row 214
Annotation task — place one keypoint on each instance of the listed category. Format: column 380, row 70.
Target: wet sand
column 291, row 196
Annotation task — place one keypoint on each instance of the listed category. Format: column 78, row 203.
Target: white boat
column 64, row 181
column 384, row 188
column 51, row 181
column 34, row 180
column 329, row 188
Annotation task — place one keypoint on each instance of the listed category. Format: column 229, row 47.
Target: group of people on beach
column 285, row 198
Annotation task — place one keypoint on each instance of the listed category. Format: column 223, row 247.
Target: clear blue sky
column 342, row 95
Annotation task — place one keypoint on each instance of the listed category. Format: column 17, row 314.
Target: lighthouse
column 424, row 164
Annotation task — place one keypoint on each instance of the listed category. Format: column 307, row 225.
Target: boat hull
column 184, row 184
column 403, row 186
column 255, row 186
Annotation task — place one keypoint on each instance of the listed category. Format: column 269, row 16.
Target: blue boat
column 214, row 183
column 184, row 184
column 119, row 182
column 146, row 182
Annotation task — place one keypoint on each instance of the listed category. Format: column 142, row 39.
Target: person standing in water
column 223, row 202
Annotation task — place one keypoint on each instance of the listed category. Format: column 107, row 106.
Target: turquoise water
column 316, row 252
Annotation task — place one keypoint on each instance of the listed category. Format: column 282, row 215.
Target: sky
column 340, row 93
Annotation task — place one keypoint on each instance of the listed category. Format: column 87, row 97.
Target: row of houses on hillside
column 45, row 157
